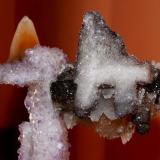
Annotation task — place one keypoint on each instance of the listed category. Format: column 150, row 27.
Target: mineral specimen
column 45, row 135
column 106, row 87
column 102, row 59
column 113, row 90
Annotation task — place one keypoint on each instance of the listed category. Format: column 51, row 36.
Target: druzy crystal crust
column 44, row 137
column 113, row 90
column 102, row 59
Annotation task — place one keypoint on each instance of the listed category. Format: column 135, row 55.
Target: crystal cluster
column 102, row 59
column 106, row 86
column 44, row 137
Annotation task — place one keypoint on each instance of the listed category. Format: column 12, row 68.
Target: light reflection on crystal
column 45, row 130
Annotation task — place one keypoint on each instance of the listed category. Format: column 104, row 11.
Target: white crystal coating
column 44, row 137
column 102, row 59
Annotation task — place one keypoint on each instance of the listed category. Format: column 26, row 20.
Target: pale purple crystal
column 44, row 137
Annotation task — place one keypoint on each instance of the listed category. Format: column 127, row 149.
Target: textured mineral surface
column 102, row 59
column 106, row 88
column 44, row 137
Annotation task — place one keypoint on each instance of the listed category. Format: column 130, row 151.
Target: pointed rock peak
column 93, row 18
column 95, row 31
column 24, row 37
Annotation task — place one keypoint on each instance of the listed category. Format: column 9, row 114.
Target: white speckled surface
column 44, row 137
